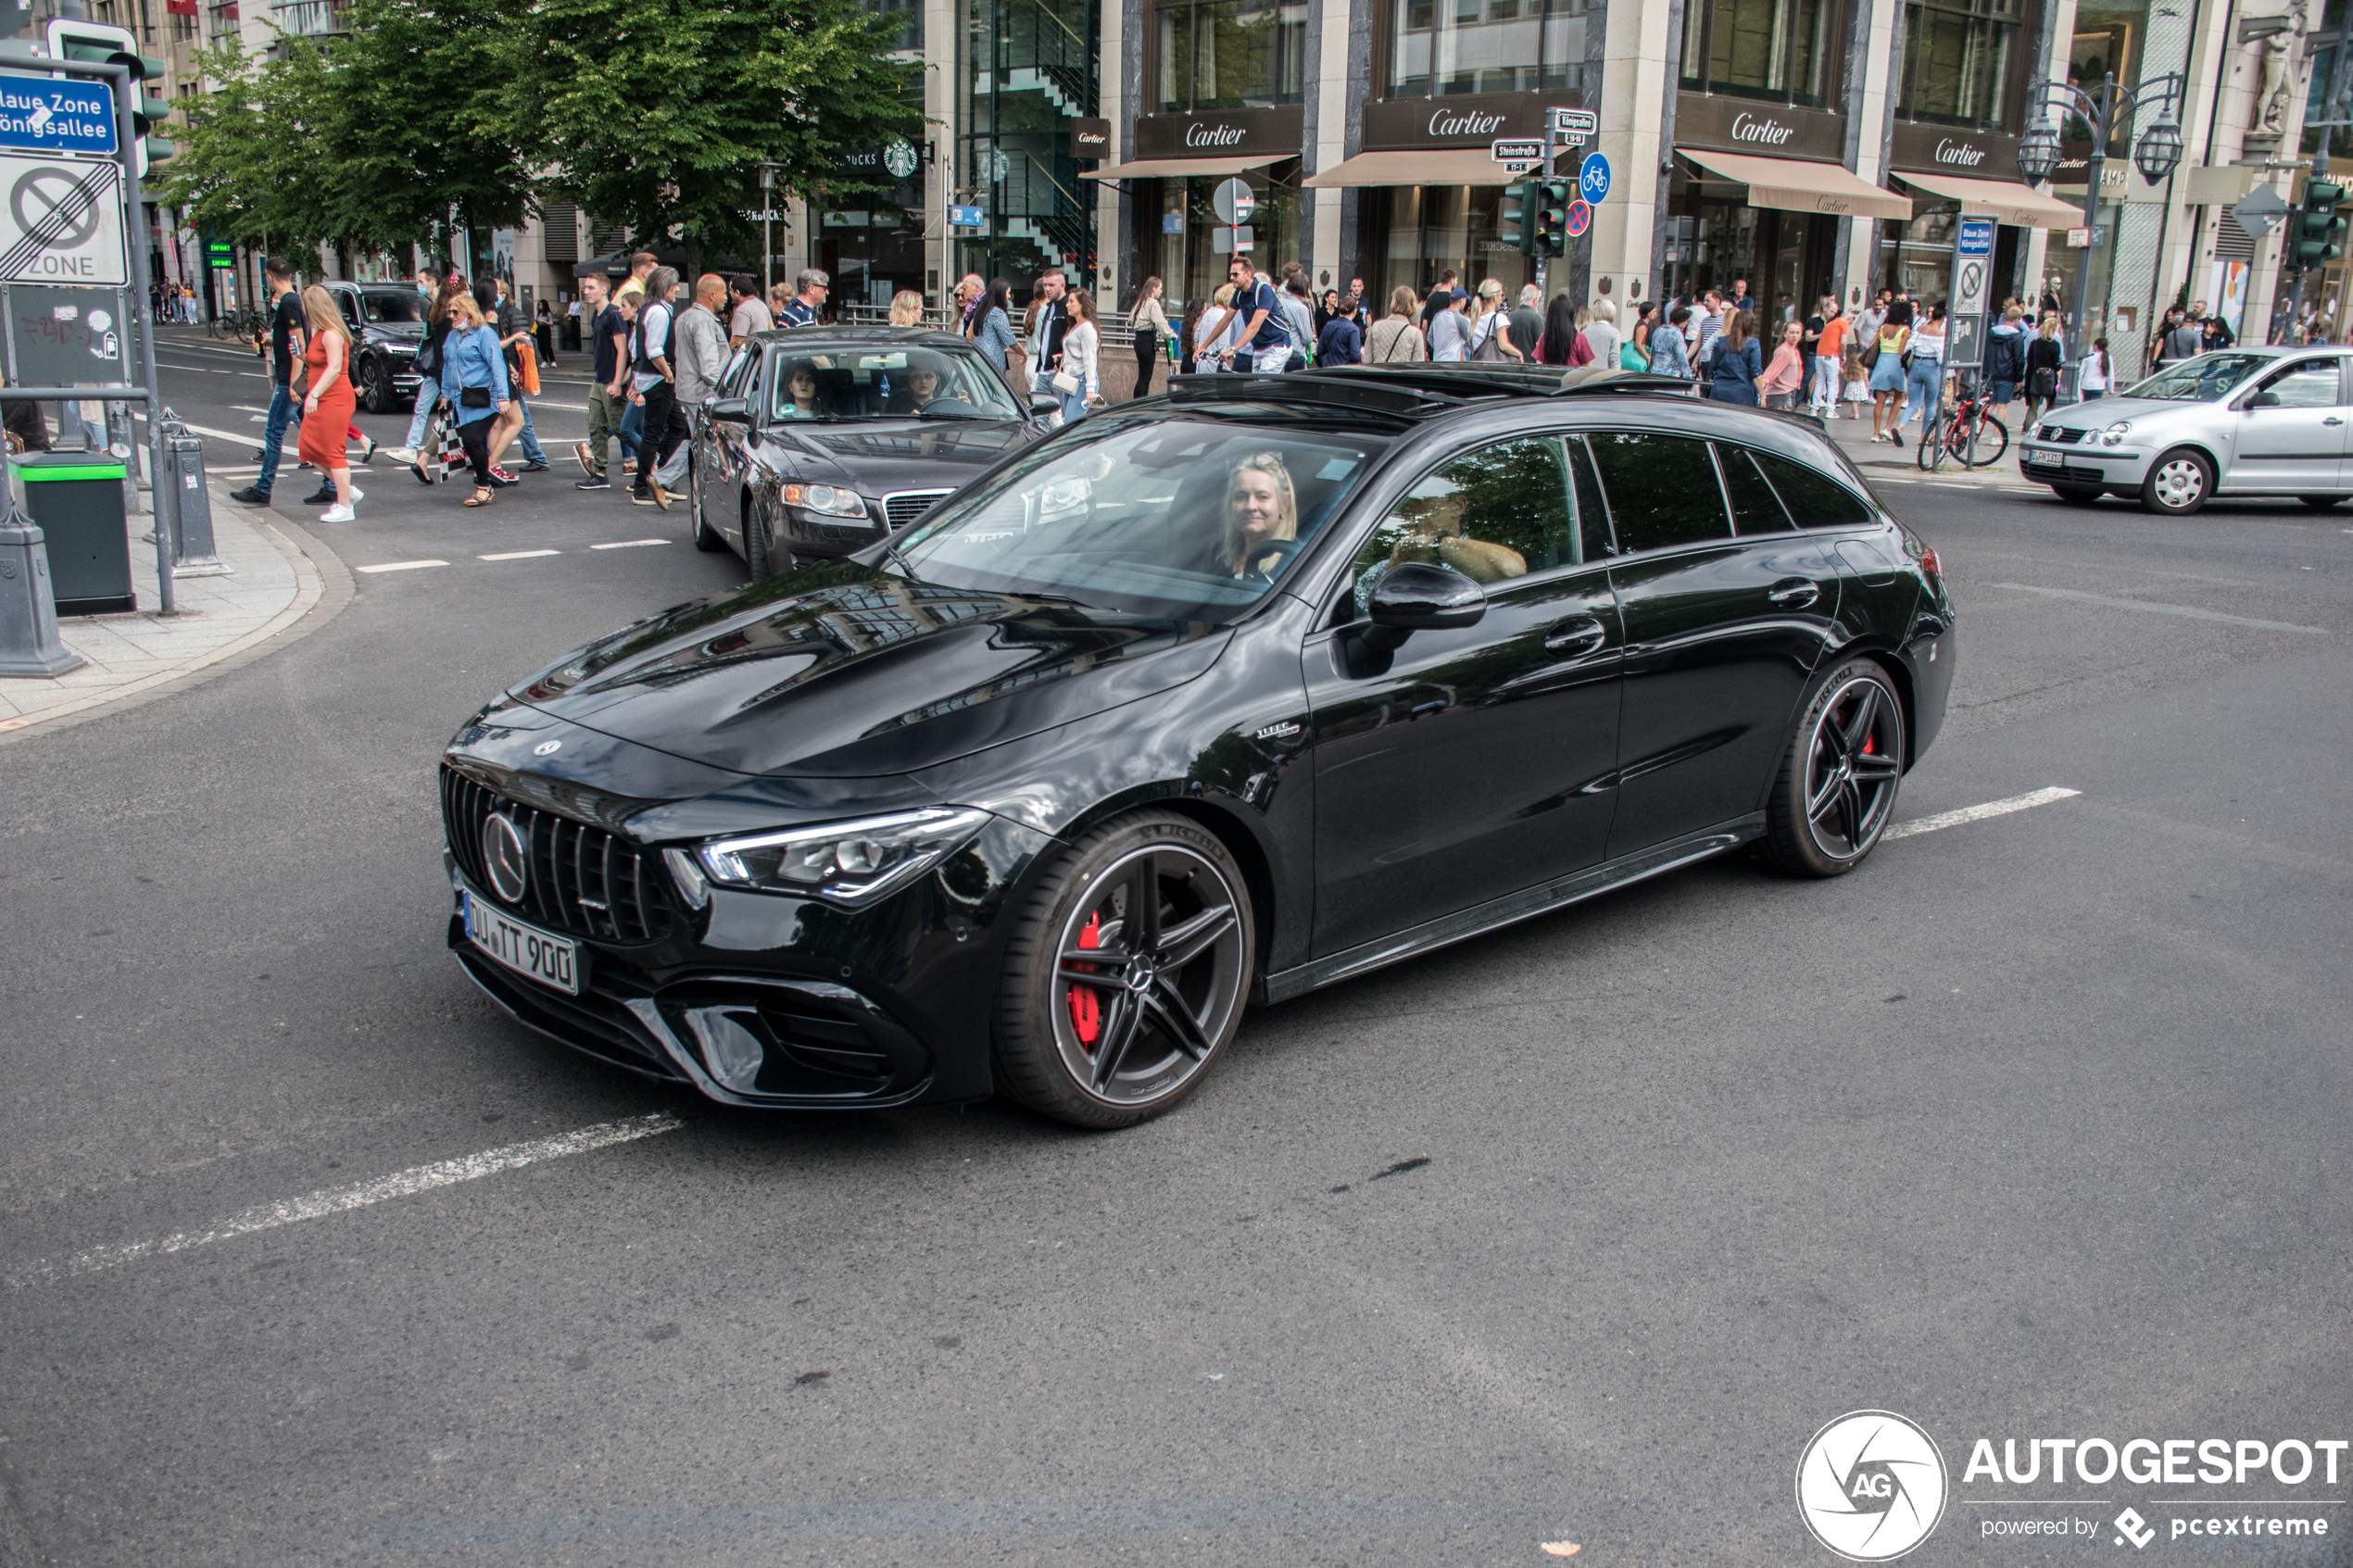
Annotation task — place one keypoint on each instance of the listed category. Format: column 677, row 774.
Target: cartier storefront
column 1180, row 159
column 1949, row 171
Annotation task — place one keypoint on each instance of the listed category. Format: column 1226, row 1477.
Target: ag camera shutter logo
column 1871, row 1486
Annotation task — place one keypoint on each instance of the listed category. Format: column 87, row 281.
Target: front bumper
column 2087, row 463
column 762, row 1000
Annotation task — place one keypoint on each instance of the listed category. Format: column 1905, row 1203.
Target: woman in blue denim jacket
column 994, row 334
column 1736, row 362
column 1668, row 344
column 472, row 361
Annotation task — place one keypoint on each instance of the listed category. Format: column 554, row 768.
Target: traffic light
column 2312, row 240
column 1552, row 215
column 1517, row 220
column 97, row 42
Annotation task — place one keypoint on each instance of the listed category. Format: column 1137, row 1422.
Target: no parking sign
column 1581, row 218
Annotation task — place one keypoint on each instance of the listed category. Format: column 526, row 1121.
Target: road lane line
column 518, row 555
column 2191, row 610
column 402, row 565
column 1979, row 813
column 628, row 543
column 337, row 1200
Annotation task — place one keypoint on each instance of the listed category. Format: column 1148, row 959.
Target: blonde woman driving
column 1262, row 511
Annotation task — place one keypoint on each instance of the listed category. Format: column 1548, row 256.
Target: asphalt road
column 2035, row 1127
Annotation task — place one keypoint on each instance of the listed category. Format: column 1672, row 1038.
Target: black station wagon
column 1207, row 700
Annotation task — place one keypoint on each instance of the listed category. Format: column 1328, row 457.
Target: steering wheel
column 1282, row 548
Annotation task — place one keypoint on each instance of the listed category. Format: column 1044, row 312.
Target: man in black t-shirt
column 606, row 328
column 286, row 346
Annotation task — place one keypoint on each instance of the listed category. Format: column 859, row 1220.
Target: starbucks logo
column 900, row 158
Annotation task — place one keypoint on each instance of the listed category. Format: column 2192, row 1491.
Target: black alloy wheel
column 1126, row 974
column 2322, row 503
column 377, row 375
column 1837, row 786
column 2076, row 494
column 706, row 539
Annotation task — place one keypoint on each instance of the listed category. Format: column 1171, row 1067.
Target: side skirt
column 1526, row 904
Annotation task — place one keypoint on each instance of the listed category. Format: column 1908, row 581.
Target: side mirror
column 1416, row 596
column 731, row 411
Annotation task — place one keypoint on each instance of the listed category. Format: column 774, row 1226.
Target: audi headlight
column 2114, row 434
column 832, row 500
column 852, row 862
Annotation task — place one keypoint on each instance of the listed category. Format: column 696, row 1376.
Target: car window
column 1497, row 511
column 2201, row 379
column 1756, row 507
column 1188, row 519
column 397, row 305
column 1814, row 498
column 732, row 379
column 1593, row 511
column 844, row 382
column 2308, row 383
column 350, row 308
column 1661, row 489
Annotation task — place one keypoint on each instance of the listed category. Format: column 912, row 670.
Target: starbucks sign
column 899, row 157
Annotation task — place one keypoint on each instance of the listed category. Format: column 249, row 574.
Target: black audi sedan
column 819, row 441
column 1206, row 701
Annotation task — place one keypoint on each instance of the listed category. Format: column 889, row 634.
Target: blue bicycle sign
column 1593, row 180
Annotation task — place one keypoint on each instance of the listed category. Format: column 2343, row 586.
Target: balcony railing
column 311, row 19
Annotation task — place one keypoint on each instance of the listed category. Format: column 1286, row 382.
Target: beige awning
column 2021, row 205
column 1434, row 166
column 1794, row 185
column 1182, row 167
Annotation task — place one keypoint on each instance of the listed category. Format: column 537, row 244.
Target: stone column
column 1631, row 51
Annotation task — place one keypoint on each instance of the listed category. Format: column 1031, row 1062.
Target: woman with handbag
column 2043, row 361
column 428, row 368
column 1634, row 354
column 474, row 376
column 1148, row 322
column 327, row 407
column 1486, row 322
column 1395, row 337
column 1077, row 380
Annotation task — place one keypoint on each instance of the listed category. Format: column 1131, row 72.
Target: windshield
column 1190, row 520
column 2202, row 380
column 842, row 384
column 390, row 305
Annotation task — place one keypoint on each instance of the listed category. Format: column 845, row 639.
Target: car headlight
column 830, row 499
column 852, row 862
column 2114, row 434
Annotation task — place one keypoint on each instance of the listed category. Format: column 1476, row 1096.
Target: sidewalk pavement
column 272, row 586
column 1880, row 461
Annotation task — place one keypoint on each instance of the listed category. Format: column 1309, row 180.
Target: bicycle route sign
column 61, row 221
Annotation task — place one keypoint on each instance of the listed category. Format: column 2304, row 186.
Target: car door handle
column 2331, row 419
column 1578, row 635
column 1793, row 593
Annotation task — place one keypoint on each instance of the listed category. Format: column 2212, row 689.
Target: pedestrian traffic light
column 1517, row 221
column 2312, row 240
column 1552, row 215
column 100, row 44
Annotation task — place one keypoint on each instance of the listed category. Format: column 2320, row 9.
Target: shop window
column 1779, row 51
column 1417, row 232
column 1232, row 55
column 1957, row 58
column 1439, row 48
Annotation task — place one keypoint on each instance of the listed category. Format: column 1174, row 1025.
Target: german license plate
column 526, row 949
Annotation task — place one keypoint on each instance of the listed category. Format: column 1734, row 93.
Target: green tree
column 247, row 166
column 653, row 112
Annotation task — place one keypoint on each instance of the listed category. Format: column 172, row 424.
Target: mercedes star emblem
column 503, row 856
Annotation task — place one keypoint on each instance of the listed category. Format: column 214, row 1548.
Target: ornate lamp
column 2038, row 152
column 2160, row 150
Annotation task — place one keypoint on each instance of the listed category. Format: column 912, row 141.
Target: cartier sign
column 1731, row 126
column 1276, row 133
column 1448, row 123
column 1935, row 149
column 1459, row 122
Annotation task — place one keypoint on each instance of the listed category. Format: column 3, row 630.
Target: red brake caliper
column 1085, row 1012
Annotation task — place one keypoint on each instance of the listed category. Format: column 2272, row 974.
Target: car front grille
column 2059, row 436
column 904, row 507
column 581, row 879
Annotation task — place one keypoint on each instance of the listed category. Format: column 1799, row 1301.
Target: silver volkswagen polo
column 2243, row 422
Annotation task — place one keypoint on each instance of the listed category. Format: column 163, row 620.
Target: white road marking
column 2191, row 610
column 518, row 555
column 335, row 1201
column 402, row 565
column 1979, row 813
column 628, row 543
column 200, row 429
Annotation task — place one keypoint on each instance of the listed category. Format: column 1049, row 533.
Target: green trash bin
column 77, row 499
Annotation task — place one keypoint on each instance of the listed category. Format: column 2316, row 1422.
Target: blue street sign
column 1976, row 237
column 46, row 115
column 967, row 218
column 1593, row 180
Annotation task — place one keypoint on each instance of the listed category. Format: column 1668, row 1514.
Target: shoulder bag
column 1485, row 349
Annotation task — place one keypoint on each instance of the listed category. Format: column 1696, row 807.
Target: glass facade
column 1231, row 55
column 1778, row 51
column 1184, row 254
column 1417, row 232
column 1720, row 239
column 1439, row 48
column 1030, row 67
column 1957, row 57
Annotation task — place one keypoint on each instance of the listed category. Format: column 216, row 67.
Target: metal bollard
column 123, row 442
column 194, row 554
column 29, row 643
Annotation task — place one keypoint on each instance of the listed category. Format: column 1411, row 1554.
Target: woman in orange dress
column 327, row 407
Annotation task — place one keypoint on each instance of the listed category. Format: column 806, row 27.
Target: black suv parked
column 388, row 322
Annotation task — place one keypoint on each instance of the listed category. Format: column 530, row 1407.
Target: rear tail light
column 1930, row 564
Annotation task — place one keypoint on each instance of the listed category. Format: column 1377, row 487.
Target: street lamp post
column 767, row 239
column 2105, row 107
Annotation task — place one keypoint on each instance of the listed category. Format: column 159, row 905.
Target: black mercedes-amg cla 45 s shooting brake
column 1205, row 701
